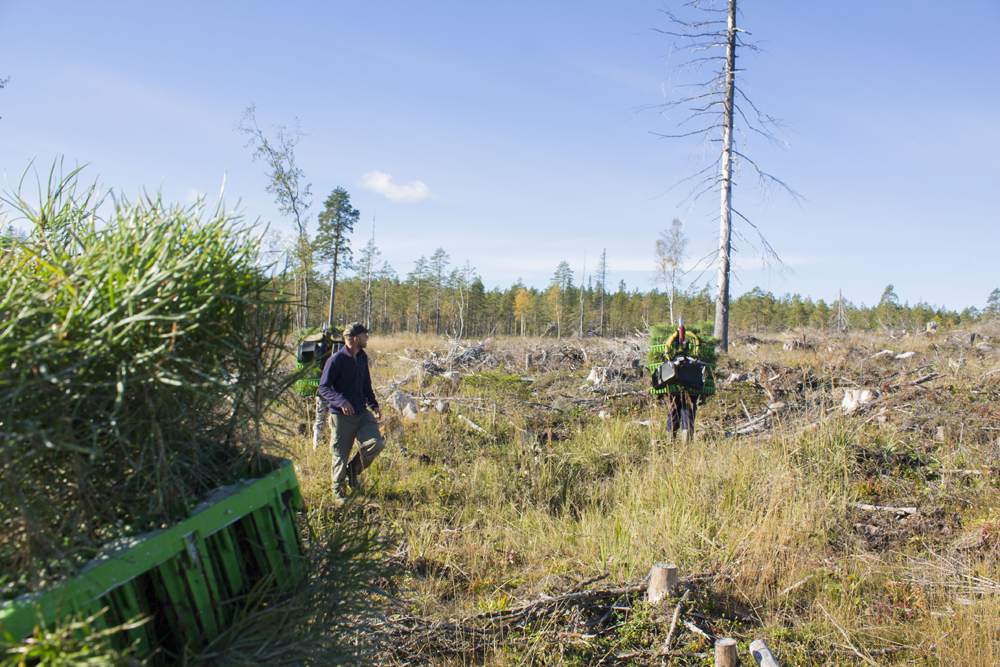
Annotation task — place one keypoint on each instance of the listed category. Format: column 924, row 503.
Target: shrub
column 138, row 353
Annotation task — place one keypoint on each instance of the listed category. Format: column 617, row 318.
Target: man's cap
column 355, row 328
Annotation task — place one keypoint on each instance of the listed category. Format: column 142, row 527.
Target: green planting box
column 185, row 581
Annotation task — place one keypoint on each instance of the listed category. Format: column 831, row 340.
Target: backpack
column 314, row 349
column 311, row 355
column 690, row 374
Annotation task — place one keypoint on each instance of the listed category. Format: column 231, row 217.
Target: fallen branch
column 471, row 424
column 654, row 653
column 698, row 631
column 575, row 597
column 885, row 508
column 673, row 621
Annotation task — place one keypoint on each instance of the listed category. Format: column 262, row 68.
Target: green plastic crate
column 186, row 579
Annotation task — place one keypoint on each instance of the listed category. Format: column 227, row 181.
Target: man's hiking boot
column 340, row 493
column 354, row 469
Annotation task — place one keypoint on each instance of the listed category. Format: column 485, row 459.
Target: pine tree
column 332, row 242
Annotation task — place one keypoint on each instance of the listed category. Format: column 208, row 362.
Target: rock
column 905, row 355
column 598, row 376
column 404, row 404
column 883, row 353
column 603, row 414
column 454, row 379
column 776, row 406
column 441, row 406
column 855, row 398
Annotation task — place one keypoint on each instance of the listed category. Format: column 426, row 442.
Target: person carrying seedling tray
column 682, row 374
column 312, row 354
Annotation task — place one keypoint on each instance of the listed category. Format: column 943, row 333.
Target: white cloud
column 382, row 183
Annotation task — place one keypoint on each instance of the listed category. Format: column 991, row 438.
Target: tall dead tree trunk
column 721, row 331
column 603, row 272
column 720, row 104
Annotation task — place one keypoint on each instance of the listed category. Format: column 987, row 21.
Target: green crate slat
column 186, row 585
column 218, row 597
column 181, row 612
column 224, row 545
column 199, row 589
column 264, row 525
column 124, row 604
column 290, row 545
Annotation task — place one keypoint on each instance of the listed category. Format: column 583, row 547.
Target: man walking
column 346, row 387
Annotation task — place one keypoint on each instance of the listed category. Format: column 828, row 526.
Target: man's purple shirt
column 346, row 379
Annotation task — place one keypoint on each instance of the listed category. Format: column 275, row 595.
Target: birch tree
column 293, row 195
column 367, row 267
column 719, row 109
column 670, row 249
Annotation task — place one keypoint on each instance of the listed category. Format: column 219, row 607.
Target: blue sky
column 515, row 133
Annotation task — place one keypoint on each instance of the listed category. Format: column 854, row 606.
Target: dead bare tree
column 722, row 108
column 602, row 276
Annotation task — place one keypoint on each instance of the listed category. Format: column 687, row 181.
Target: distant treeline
column 432, row 299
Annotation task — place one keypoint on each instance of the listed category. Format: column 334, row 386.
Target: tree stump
column 663, row 581
column 725, row 653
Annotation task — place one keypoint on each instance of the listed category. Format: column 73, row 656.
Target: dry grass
column 484, row 522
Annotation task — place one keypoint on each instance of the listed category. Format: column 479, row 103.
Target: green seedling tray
column 186, row 580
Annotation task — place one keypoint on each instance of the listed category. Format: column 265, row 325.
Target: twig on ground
column 673, row 621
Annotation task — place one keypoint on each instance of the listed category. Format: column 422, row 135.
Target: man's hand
column 347, row 409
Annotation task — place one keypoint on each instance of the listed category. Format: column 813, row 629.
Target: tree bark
column 721, row 331
column 333, row 295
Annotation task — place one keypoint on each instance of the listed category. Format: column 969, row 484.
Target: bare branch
column 765, row 176
column 763, row 133
column 698, row 114
column 684, row 100
column 689, row 24
column 686, row 134
column 693, row 35
column 769, row 250
column 700, row 172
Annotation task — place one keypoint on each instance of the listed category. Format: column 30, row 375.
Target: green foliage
column 497, row 383
column 77, row 641
column 660, row 332
column 138, row 356
column 993, row 304
column 336, row 224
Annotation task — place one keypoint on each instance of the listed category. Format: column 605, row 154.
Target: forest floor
column 528, row 485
